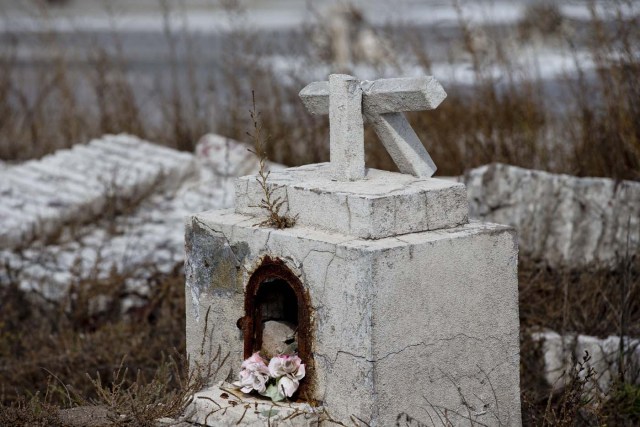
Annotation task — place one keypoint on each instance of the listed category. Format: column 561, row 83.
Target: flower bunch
column 280, row 379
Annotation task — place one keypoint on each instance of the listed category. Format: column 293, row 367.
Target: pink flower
column 288, row 370
column 256, row 363
column 254, row 375
column 287, row 365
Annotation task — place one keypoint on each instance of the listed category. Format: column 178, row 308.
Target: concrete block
column 562, row 352
column 562, row 220
column 398, row 325
column 402, row 94
column 222, row 406
column 77, row 185
column 149, row 240
column 381, row 205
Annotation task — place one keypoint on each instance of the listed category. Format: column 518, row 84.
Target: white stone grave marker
column 400, row 306
column 382, row 102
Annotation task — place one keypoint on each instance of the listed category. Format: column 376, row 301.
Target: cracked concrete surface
column 396, row 322
column 561, row 219
column 383, row 204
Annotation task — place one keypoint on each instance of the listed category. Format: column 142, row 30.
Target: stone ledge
column 227, row 223
column 384, row 204
column 222, row 405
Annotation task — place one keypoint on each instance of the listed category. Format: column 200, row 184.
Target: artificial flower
column 254, row 375
column 277, row 381
column 288, row 371
column 290, row 366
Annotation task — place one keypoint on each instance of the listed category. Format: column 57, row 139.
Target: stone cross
column 382, row 103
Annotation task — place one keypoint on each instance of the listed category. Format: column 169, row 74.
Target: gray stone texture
column 396, row 322
column 39, row 197
column 276, row 336
column 222, row 405
column 381, row 205
column 402, row 144
column 136, row 245
column 346, row 133
column 381, row 96
column 150, row 239
column 383, row 102
column 402, row 94
column 561, row 219
column 560, row 352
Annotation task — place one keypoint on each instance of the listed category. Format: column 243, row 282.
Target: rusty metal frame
column 271, row 269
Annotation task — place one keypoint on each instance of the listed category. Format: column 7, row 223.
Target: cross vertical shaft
column 346, row 133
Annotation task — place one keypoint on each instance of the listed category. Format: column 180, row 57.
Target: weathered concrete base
column 381, row 205
column 222, row 405
column 423, row 320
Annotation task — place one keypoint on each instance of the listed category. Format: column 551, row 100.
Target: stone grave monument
column 399, row 307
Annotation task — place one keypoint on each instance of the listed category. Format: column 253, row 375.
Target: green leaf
column 273, row 393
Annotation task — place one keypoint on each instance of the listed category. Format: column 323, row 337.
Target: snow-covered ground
column 137, row 26
column 208, row 15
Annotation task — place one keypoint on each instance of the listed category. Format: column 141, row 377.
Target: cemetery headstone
column 397, row 304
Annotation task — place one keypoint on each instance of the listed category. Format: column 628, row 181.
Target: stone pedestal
column 403, row 308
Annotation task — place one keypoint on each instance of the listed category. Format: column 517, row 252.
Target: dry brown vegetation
column 58, row 356
column 64, row 352
column 47, row 349
column 507, row 119
column 598, row 302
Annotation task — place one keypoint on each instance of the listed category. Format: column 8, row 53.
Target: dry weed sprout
column 30, row 412
column 270, row 203
column 44, row 370
column 541, row 19
column 507, row 119
column 595, row 301
column 580, row 400
column 142, row 402
column 73, row 336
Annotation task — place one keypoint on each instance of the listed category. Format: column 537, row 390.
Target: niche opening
column 275, row 298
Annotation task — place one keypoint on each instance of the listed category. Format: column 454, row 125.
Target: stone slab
column 136, row 245
column 222, row 405
column 561, row 351
column 78, row 185
column 562, row 220
column 403, row 145
column 381, row 205
column 456, row 288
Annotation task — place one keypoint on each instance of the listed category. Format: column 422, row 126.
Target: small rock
column 278, row 337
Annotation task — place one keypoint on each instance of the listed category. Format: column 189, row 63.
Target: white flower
column 254, row 375
column 287, row 365
column 288, row 371
column 288, row 386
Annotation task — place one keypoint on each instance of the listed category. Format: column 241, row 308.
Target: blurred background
column 532, row 83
